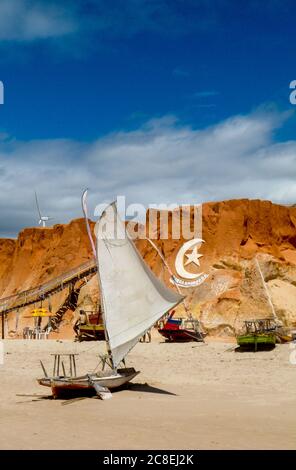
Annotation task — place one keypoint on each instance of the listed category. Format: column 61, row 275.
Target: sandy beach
column 188, row 396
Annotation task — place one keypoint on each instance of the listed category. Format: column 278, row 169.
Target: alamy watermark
column 157, row 221
column 293, row 93
column 1, row 93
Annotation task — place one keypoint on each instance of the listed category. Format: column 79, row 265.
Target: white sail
column 133, row 299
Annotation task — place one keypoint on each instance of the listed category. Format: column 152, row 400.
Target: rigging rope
column 275, row 317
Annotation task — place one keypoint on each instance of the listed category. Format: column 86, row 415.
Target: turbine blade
column 37, row 204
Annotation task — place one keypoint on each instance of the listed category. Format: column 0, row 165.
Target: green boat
column 258, row 334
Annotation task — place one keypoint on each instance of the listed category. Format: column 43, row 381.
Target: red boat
column 181, row 329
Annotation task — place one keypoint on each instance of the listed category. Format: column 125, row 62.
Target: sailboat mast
column 85, row 213
column 104, row 321
column 84, row 209
column 266, row 290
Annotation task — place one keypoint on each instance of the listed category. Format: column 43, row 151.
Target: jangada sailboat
column 133, row 299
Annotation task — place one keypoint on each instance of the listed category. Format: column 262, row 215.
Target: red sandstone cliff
column 234, row 232
column 40, row 254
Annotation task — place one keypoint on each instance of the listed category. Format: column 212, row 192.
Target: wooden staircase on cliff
column 39, row 293
column 69, row 304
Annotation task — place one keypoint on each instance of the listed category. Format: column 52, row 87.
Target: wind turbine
column 42, row 218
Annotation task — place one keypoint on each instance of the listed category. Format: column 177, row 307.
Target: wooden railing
column 38, row 293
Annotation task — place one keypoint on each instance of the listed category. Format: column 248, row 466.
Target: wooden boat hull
column 91, row 332
column 283, row 338
column 257, row 341
column 62, row 386
column 180, row 334
column 284, row 335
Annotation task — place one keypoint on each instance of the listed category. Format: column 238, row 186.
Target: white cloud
column 27, row 20
column 162, row 161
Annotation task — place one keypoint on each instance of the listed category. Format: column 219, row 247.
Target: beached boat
column 181, row 329
column 133, row 299
column 68, row 384
column 284, row 334
column 92, row 329
column 258, row 334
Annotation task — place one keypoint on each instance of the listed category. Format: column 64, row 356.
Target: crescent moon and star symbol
column 192, row 258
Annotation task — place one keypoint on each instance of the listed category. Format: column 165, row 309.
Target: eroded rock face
column 40, row 254
column 235, row 232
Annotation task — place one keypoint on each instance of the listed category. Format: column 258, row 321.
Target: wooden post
column 54, row 366
column 43, row 368
column 3, row 325
column 74, row 365
column 71, row 372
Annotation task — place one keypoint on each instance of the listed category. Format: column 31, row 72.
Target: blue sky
column 101, row 93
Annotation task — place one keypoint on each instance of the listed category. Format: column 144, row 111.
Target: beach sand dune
column 199, row 396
